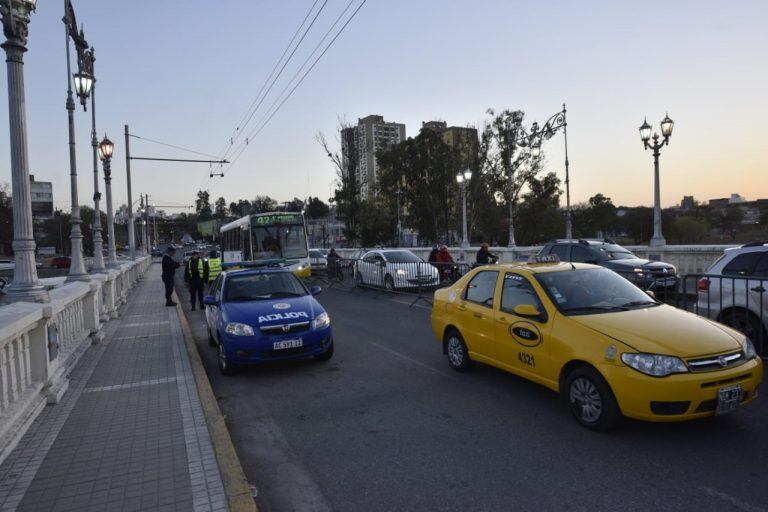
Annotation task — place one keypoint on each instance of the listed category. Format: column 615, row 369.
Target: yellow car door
column 475, row 315
column 523, row 329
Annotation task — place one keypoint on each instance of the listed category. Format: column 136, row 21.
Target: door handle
column 758, row 289
column 461, row 307
column 478, row 315
column 502, row 320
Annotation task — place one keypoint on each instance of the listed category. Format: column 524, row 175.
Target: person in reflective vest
column 214, row 266
column 196, row 276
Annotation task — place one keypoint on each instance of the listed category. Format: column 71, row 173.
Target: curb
column 235, row 484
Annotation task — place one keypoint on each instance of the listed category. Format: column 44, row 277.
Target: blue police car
column 255, row 315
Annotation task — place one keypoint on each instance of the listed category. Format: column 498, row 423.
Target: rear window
column 761, row 269
column 401, row 257
column 561, row 251
column 742, row 265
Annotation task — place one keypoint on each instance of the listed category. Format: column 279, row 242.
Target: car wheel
column 359, row 278
column 457, row 352
column 325, row 356
column 211, row 339
column 225, row 367
column 389, row 283
column 746, row 323
column 591, row 400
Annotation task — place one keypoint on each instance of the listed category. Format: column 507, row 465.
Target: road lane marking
column 735, row 502
column 407, row 358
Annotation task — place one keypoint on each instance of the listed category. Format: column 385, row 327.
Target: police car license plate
column 729, row 398
column 280, row 345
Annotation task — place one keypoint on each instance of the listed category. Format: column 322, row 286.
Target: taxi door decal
column 526, row 334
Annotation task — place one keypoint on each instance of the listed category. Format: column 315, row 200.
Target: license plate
column 280, row 345
column 729, row 399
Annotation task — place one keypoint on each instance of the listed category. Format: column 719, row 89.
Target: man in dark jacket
column 169, row 269
column 484, row 256
column 196, row 276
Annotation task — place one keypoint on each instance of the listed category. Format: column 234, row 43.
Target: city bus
column 268, row 236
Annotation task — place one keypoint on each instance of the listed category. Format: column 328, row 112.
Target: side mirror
column 315, row 290
column 209, row 300
column 526, row 310
column 650, row 294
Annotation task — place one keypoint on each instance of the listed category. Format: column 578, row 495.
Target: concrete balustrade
column 40, row 343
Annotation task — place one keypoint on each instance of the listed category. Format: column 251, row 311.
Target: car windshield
column 401, row 257
column 270, row 285
column 591, row 291
column 616, row 252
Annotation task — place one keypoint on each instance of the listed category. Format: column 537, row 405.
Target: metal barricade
column 665, row 287
column 738, row 301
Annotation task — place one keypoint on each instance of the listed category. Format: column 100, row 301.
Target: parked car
column 648, row 275
column 318, row 260
column 61, row 262
column 733, row 291
column 7, row 265
column 395, row 269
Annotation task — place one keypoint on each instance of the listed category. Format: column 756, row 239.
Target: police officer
column 196, row 276
column 214, row 266
column 169, row 269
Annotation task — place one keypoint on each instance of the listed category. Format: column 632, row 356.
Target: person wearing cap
column 484, row 256
column 169, row 269
column 196, row 276
column 214, row 266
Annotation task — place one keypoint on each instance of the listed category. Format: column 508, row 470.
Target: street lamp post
column 131, row 227
column 645, row 135
column 26, row 285
column 462, row 179
column 105, row 152
column 83, row 82
column 98, row 243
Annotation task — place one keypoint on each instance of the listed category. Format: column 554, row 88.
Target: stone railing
column 689, row 259
column 41, row 343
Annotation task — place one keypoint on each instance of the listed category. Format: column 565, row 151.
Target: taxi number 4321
column 526, row 359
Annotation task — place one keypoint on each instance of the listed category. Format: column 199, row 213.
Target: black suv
column 647, row 274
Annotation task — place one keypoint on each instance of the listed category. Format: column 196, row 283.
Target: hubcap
column 586, row 397
column 455, row 351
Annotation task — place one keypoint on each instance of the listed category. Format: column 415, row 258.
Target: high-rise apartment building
column 359, row 145
column 459, row 137
column 41, row 193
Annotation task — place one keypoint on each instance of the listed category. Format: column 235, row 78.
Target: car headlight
column 654, row 364
column 239, row 329
column 401, row 272
column 321, row 321
column 749, row 348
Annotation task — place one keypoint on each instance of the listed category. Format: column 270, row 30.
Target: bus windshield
column 289, row 242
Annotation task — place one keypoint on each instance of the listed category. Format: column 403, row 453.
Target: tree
column 691, row 230
column 506, row 170
column 316, row 209
column 538, row 213
column 221, row 208
column 203, row 205
column 6, row 219
column 296, row 205
column 600, row 216
column 377, row 226
column 346, row 195
column 262, row 204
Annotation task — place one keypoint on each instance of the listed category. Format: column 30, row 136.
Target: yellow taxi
column 609, row 348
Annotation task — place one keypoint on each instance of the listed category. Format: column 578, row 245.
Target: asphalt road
column 387, row 425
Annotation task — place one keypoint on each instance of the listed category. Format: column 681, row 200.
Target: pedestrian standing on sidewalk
column 214, row 266
column 169, row 269
column 196, row 277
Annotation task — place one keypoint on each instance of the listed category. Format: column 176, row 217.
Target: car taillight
column 703, row 284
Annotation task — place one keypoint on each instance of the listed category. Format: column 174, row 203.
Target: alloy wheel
column 455, row 351
column 585, row 395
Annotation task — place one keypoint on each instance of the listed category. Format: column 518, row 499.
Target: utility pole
column 131, row 232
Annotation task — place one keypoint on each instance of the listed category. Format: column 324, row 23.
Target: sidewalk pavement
column 130, row 433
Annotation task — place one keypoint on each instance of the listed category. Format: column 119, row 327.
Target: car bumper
column 694, row 394
column 245, row 350
column 413, row 281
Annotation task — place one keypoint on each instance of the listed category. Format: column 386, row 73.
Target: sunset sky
column 184, row 72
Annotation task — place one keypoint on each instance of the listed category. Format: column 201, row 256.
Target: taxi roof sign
column 548, row 258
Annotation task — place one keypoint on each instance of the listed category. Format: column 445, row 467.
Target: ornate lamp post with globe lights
column 462, row 179
column 83, row 83
column 106, row 148
column 645, row 135
column 25, row 286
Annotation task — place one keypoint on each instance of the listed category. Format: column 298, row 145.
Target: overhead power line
column 173, row 146
column 261, row 125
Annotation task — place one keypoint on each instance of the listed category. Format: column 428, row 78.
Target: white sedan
column 395, row 269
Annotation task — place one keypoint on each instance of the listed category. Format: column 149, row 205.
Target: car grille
column 712, row 363
column 284, row 328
